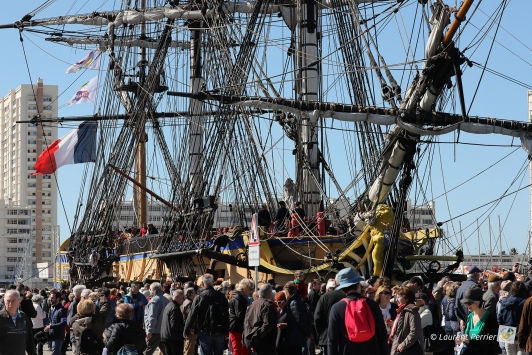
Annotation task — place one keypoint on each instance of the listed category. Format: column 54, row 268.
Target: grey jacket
column 408, row 330
column 490, row 299
column 153, row 316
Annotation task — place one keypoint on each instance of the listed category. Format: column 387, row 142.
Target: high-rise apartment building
column 22, row 143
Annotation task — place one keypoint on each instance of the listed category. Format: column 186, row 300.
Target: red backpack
column 359, row 320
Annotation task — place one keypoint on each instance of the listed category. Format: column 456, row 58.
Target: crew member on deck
column 300, row 211
column 94, row 258
column 280, row 216
column 264, row 218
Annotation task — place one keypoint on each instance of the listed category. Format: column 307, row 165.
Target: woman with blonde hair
column 388, row 309
column 237, row 312
column 87, row 319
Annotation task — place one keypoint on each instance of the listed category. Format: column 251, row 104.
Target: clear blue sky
column 497, row 97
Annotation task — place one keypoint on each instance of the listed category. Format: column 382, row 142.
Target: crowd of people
column 345, row 315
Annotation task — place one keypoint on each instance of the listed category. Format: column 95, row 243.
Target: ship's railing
column 140, row 244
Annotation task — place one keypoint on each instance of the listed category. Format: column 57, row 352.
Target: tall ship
column 220, row 109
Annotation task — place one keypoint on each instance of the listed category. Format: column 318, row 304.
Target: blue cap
column 348, row 277
column 472, row 269
column 93, row 251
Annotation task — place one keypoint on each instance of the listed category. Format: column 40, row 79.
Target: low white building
column 487, row 262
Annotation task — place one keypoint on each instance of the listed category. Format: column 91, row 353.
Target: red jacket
column 302, row 289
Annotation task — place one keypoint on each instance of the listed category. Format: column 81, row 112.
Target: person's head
column 405, row 295
column 178, row 296
column 12, row 302
column 316, row 284
column 383, row 295
column 21, row 289
column 280, row 300
column 416, row 284
column 331, row 285
column 422, row 299
column 369, row 292
column 473, row 298
column 348, row 281
column 494, row 282
column 450, row 291
column 246, row 287
column 474, row 273
column 382, row 281
column 255, row 295
column 55, row 297
column 93, row 252
column 125, row 311
column 282, row 204
column 264, row 207
column 190, row 293
column 207, row 280
column 135, row 288
column 86, row 308
column 298, row 204
column 299, row 275
column 265, row 291
column 155, row 288
column 85, row 294
column 519, row 289
column 37, row 298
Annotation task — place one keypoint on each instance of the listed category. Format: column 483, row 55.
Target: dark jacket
column 321, row 314
column 26, row 306
column 312, row 301
column 281, row 215
column 408, row 331
column 452, row 324
column 510, row 311
column 339, row 344
column 260, row 326
column 264, row 218
column 16, row 340
column 487, row 343
column 173, row 324
column 298, row 328
column 237, row 312
column 524, row 335
column 124, row 331
column 58, row 322
column 198, row 316
column 461, row 309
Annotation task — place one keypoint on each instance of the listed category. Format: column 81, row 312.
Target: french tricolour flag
column 77, row 146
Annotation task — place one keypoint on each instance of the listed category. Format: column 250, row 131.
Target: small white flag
column 87, row 93
column 91, row 61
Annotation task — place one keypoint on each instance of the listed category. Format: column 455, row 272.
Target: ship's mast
column 195, row 144
column 308, row 91
column 140, row 164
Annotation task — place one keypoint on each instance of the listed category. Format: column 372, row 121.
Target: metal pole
column 256, row 278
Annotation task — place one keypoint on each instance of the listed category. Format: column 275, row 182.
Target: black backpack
column 434, row 338
column 88, row 343
column 218, row 314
